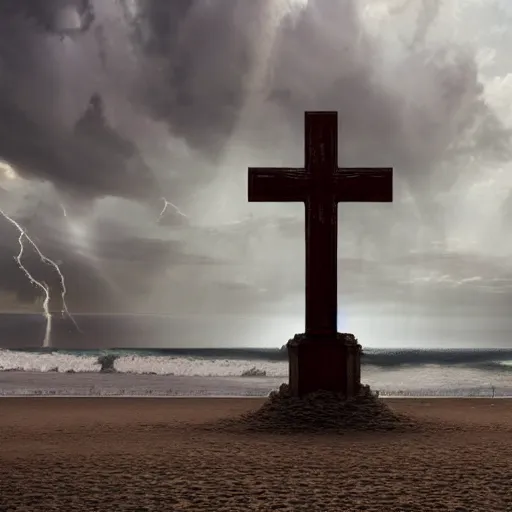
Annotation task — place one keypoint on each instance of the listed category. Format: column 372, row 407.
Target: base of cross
column 324, row 363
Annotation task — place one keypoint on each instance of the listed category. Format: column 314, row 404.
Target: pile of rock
column 320, row 412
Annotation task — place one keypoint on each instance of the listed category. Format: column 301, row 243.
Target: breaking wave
column 232, row 362
column 139, row 362
column 225, row 372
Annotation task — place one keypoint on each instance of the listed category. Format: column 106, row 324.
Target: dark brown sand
column 104, row 454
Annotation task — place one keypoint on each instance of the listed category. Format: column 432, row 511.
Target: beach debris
column 107, row 363
column 254, row 372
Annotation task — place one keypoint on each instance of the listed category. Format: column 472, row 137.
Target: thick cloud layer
column 115, row 105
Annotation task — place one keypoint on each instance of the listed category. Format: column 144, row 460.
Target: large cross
column 321, row 185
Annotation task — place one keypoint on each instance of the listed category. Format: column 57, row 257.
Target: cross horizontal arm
column 364, row 184
column 278, row 184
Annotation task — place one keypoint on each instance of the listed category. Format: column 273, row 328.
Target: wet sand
column 106, row 454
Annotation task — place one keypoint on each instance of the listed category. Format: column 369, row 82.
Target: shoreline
column 244, row 397
column 403, row 384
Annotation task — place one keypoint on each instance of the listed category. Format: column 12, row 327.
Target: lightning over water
column 24, row 237
column 168, row 204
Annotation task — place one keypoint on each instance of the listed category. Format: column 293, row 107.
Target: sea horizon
column 149, row 355
column 26, row 330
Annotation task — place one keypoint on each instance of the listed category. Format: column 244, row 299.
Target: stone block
column 324, row 363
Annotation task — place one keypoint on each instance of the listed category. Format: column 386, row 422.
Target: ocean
column 27, row 370
column 242, row 372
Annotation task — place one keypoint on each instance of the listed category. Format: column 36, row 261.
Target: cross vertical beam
column 321, row 159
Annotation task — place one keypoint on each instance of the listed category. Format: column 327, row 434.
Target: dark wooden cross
column 321, row 185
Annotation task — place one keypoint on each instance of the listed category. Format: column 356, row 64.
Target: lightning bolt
column 168, row 204
column 24, row 237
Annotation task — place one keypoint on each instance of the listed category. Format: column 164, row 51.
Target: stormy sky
column 107, row 107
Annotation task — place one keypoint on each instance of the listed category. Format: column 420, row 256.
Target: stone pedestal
column 329, row 364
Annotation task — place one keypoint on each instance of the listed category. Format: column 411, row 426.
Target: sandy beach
column 102, row 454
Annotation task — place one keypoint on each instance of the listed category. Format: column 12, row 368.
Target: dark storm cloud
column 88, row 166
column 440, row 116
column 32, row 138
column 228, row 75
column 201, row 54
column 209, row 51
column 204, row 52
column 42, row 14
column 428, row 118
